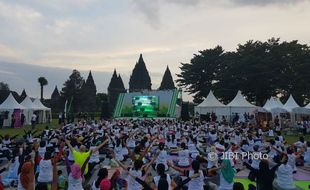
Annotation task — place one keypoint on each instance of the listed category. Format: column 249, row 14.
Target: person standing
column 33, row 120
column 22, row 119
column 12, row 120
column 59, row 118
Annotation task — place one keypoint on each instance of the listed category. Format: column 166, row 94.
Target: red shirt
column 105, row 184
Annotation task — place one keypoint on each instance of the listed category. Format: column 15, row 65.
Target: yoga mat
column 301, row 176
column 304, row 185
column 245, row 182
column 300, row 184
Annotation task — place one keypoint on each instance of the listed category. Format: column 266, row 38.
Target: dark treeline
column 259, row 69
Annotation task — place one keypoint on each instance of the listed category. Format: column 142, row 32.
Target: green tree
column 43, row 82
column 89, row 92
column 293, row 63
column 199, row 76
column 185, row 111
column 140, row 78
column 251, row 72
column 72, row 91
column 259, row 69
column 167, row 81
column 4, row 86
column 4, row 91
column 100, row 99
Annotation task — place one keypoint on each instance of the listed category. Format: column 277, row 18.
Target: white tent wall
column 296, row 112
column 7, row 122
column 10, row 104
column 238, row 105
column 219, row 111
column 28, row 113
column 43, row 112
column 275, row 107
column 27, row 103
column 241, row 110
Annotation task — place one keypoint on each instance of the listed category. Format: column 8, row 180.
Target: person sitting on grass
column 284, row 179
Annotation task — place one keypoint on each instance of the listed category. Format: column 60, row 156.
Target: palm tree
column 43, row 82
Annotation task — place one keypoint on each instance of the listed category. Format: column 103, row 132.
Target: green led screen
column 145, row 106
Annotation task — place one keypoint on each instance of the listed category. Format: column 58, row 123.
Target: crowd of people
column 150, row 154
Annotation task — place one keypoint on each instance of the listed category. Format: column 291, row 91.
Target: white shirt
column 183, row 158
column 13, row 170
column 34, row 117
column 224, row 185
column 46, row 171
column 131, row 143
column 292, row 161
column 93, row 187
column 162, row 159
column 118, row 150
column 307, row 155
column 196, row 183
column 42, row 151
column 19, row 185
column 94, row 157
column 285, row 177
column 74, row 184
column 132, row 183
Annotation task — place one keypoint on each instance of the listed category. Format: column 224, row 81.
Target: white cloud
column 18, row 13
column 8, row 53
column 103, row 35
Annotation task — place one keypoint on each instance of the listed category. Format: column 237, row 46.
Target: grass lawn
column 20, row 131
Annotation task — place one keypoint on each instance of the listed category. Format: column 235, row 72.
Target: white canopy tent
column 240, row 105
column 43, row 113
column 274, row 106
column 9, row 105
column 31, row 107
column 211, row 104
column 292, row 107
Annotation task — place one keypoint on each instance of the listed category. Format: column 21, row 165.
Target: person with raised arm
column 81, row 155
column 264, row 175
column 138, row 170
column 75, row 174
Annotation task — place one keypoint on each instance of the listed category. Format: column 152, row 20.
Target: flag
column 69, row 108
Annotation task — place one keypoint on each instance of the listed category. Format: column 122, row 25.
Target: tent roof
column 308, row 106
column 290, row 104
column 10, row 103
column 240, row 101
column 274, row 103
column 39, row 104
column 211, row 101
column 28, row 103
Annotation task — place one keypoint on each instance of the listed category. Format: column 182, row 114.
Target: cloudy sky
column 50, row 38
